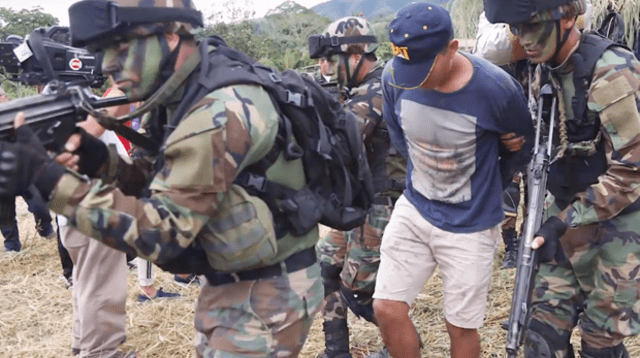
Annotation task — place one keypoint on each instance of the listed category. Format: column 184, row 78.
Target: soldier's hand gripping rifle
column 52, row 115
column 527, row 265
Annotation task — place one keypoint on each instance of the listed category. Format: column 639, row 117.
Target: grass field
column 36, row 312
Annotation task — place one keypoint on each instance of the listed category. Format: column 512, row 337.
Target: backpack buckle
column 295, row 98
column 333, row 199
column 256, row 182
column 275, row 78
column 293, row 151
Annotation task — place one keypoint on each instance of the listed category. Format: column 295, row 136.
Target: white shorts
column 411, row 250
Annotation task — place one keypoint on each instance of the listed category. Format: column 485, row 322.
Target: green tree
column 23, row 22
column 287, row 27
column 230, row 11
column 240, row 35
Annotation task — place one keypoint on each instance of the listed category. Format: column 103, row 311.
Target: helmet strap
column 351, row 77
column 344, row 58
column 352, row 83
column 560, row 42
column 169, row 58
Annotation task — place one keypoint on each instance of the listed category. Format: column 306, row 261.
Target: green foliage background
column 280, row 38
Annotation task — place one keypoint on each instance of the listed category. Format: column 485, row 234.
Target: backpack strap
column 592, row 46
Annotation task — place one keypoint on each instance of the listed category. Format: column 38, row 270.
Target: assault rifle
column 527, row 265
column 52, row 115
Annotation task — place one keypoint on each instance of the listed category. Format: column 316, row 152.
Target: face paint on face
column 329, row 65
column 134, row 66
column 538, row 39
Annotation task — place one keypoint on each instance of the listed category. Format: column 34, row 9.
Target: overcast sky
column 58, row 8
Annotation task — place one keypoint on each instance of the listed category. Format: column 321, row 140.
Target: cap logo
column 402, row 52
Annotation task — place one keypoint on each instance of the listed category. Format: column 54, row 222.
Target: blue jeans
column 41, row 214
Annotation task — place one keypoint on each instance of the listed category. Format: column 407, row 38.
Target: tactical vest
column 379, row 148
column 313, row 127
column 575, row 172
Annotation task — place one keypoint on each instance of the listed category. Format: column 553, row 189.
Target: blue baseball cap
column 418, row 33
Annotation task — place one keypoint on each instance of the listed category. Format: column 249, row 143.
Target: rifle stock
column 527, row 265
column 52, row 115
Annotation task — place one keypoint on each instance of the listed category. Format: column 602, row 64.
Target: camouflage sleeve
column 129, row 174
column 614, row 96
column 366, row 104
column 389, row 114
column 209, row 147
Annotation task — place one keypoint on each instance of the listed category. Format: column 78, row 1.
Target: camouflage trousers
column 356, row 255
column 594, row 283
column 263, row 318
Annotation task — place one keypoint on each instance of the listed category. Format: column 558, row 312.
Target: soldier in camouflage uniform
column 350, row 260
column 263, row 302
column 590, row 243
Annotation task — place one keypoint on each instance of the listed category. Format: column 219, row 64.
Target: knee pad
column 361, row 304
column 618, row 351
column 330, row 278
column 542, row 341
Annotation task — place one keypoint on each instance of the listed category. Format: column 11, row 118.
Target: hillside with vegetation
column 370, row 9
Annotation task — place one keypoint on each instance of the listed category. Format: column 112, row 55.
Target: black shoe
column 159, row 294
column 510, row 259
column 184, row 282
column 12, row 246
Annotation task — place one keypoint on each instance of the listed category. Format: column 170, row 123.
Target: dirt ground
column 36, row 311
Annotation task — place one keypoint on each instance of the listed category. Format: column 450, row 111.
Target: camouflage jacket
column 190, row 196
column 387, row 165
column 613, row 100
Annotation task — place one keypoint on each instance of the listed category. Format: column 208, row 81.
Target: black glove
column 93, row 154
column 25, row 162
column 551, row 230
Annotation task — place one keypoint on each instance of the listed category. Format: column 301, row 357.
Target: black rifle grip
column 7, row 211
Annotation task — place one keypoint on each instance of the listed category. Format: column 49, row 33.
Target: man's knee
column 618, row 351
column 387, row 311
column 544, row 341
column 456, row 332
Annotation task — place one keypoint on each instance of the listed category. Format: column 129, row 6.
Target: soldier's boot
column 511, row 248
column 336, row 339
column 336, row 331
column 618, row 351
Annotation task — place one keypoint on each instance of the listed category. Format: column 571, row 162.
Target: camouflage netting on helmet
column 630, row 11
column 352, row 26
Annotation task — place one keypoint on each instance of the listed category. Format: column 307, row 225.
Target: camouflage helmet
column 96, row 22
column 532, row 11
column 572, row 9
column 353, row 27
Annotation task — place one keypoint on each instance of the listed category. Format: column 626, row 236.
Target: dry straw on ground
column 36, row 312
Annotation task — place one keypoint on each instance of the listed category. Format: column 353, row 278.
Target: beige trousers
column 99, row 294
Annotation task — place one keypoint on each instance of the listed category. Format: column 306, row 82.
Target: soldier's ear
column 172, row 40
column 567, row 23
